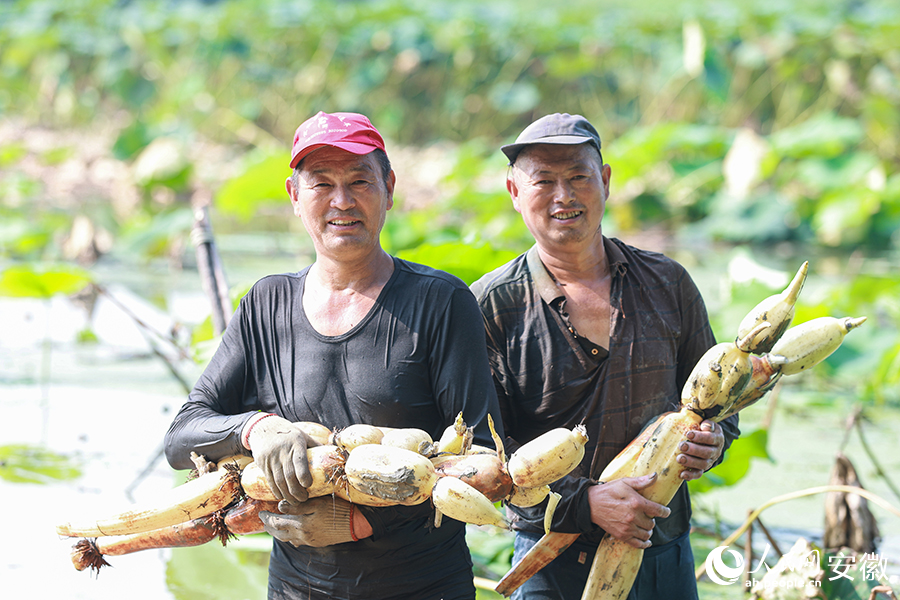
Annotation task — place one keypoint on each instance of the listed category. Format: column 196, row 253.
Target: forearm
column 210, row 421
column 197, row 428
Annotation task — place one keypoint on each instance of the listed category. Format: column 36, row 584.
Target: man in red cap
column 357, row 337
column 584, row 329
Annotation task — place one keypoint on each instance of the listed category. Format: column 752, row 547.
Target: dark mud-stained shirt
column 547, row 376
column 417, row 359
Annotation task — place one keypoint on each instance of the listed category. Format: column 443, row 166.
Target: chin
column 570, row 237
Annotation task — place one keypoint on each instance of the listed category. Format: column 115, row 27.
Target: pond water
column 108, row 405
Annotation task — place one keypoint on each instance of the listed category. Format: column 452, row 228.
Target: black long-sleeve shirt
column 416, row 360
column 547, row 376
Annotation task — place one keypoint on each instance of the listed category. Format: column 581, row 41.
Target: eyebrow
column 361, row 167
column 576, row 166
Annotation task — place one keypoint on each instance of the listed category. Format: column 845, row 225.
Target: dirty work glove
column 279, row 448
column 318, row 522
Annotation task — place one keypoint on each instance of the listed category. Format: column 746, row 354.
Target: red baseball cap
column 348, row 131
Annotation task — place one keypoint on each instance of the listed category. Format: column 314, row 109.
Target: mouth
column 565, row 216
column 343, row 222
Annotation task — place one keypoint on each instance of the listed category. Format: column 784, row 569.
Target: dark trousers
column 666, row 572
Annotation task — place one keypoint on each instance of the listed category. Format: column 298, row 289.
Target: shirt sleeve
column 211, row 420
column 573, row 513
column 500, row 377
column 460, row 370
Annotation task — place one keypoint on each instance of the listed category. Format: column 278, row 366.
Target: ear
column 390, row 183
column 513, row 189
column 606, row 173
column 292, row 194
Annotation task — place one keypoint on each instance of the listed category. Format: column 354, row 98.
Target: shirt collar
column 545, row 284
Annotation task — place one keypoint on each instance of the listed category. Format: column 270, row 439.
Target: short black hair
column 593, row 146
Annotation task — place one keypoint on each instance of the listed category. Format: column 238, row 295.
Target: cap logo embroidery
column 347, row 131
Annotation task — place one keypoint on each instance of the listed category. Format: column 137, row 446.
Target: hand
column 319, row 522
column 701, row 450
column 279, row 448
column 620, row 509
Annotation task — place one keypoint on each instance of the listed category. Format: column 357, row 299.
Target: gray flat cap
column 558, row 128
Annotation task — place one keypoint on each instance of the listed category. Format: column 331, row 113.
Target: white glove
column 279, row 448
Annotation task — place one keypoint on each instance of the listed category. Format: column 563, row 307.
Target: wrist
column 359, row 525
column 248, row 428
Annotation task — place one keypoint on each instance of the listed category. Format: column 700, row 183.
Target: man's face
column 342, row 200
column 560, row 191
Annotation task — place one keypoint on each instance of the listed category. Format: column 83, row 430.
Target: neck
column 584, row 263
column 357, row 275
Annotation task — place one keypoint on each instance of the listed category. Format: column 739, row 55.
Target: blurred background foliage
column 743, row 137
column 798, row 98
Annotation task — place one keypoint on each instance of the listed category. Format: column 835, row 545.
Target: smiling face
column 560, row 191
column 342, row 199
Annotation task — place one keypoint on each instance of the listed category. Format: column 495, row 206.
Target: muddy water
column 106, row 407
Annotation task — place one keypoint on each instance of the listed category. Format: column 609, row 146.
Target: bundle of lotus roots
column 363, row 464
column 728, row 378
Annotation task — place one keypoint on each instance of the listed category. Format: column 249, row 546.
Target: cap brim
column 512, row 150
column 352, row 147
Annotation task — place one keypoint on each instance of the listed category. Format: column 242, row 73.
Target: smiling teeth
column 340, row 222
column 567, row 215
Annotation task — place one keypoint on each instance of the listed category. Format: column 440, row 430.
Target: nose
column 563, row 192
column 343, row 199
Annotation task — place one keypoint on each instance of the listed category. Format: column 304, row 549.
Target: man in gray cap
column 587, row 329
